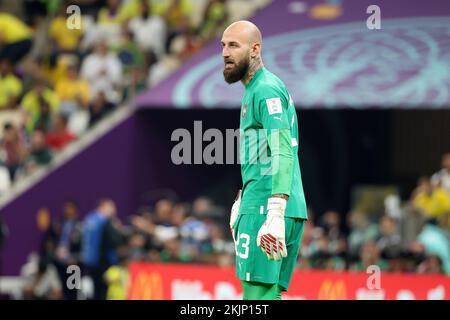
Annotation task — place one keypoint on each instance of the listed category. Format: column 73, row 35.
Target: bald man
column 269, row 213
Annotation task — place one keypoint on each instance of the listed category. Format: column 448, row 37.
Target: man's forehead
column 234, row 35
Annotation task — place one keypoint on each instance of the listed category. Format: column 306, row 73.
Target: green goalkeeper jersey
column 269, row 147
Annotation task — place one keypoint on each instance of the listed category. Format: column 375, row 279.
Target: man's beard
column 238, row 72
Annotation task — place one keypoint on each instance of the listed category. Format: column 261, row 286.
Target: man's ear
column 256, row 49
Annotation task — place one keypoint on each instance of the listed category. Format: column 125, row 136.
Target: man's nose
column 225, row 52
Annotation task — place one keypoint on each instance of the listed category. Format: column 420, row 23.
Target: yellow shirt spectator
column 179, row 14
column 133, row 8
column 10, row 86
column 12, row 29
column 105, row 18
column 66, row 39
column 30, row 102
column 434, row 205
column 70, row 90
column 117, row 279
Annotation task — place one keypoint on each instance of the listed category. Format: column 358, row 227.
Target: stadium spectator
column 111, row 13
column 35, row 12
column 10, row 86
column 195, row 230
column 59, row 136
column 135, row 83
column 431, row 265
column 173, row 251
column 178, row 20
column 64, row 39
column 442, row 177
column 43, row 119
column 99, row 108
column 161, row 69
column 435, row 242
column 331, row 224
column 49, row 69
column 128, row 52
column 39, row 97
column 361, row 230
column 103, row 71
column 369, row 255
column 117, row 277
column 191, row 44
column 203, row 207
column 42, row 282
column 72, row 91
column 433, row 202
column 13, row 149
column 164, row 229
column 195, row 238
column 180, row 213
column 107, row 24
column 222, row 249
column 214, row 16
column 132, row 8
column 319, row 255
column 101, row 237
column 90, row 7
column 68, row 245
column 137, row 245
column 16, row 38
column 149, row 30
column 39, row 154
column 389, row 241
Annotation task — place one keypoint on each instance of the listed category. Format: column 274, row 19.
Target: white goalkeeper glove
column 235, row 212
column 271, row 236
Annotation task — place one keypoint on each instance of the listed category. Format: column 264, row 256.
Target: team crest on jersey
column 244, row 111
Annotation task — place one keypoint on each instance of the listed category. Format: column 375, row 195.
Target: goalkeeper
column 268, row 216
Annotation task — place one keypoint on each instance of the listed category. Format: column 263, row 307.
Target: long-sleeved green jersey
column 269, row 147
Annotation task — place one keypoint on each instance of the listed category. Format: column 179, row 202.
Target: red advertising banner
column 193, row 282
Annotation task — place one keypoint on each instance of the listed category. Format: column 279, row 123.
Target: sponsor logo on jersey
column 274, row 106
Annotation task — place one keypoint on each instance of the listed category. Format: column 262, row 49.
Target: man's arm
column 273, row 117
column 282, row 161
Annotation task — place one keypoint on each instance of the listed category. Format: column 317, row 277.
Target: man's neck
column 255, row 65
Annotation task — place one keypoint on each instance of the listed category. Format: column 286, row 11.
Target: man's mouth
column 229, row 65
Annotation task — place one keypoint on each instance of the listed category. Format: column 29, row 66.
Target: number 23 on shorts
column 242, row 245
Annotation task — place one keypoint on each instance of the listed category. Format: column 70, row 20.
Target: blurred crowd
column 416, row 239
column 103, row 245
column 412, row 236
column 63, row 68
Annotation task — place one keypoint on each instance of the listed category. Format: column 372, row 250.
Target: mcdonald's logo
column 146, row 286
column 330, row 290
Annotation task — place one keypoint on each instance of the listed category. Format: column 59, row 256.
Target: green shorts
column 252, row 263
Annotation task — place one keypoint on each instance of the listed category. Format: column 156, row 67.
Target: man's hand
column 271, row 236
column 235, row 212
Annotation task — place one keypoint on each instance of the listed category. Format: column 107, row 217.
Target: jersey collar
column 257, row 74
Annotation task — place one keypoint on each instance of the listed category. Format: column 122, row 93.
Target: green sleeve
column 282, row 161
column 273, row 115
